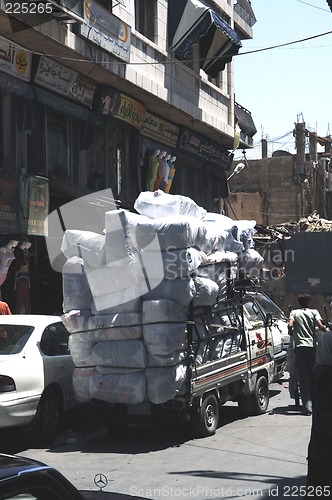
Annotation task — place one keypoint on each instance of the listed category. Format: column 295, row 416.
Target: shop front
column 178, row 161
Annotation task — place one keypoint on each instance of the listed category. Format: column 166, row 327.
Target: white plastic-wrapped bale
column 81, row 383
column 222, row 268
column 80, row 346
column 181, row 290
column 75, row 320
column 172, row 233
column 105, row 280
column 177, row 263
column 170, row 359
column 126, row 300
column 159, row 204
column 250, row 262
column 75, row 286
column 88, row 245
column 120, row 353
column 126, row 388
column 165, row 383
column 165, row 338
column 133, row 305
column 206, row 292
column 121, row 240
column 119, row 326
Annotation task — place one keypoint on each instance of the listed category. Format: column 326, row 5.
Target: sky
column 286, row 85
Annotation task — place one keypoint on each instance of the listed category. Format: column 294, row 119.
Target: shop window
column 6, row 130
column 36, row 144
column 96, row 161
column 57, row 150
column 145, row 17
column 115, row 159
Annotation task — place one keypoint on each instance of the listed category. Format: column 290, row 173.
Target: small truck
column 231, row 358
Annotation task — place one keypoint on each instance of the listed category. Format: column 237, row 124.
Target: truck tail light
column 7, row 384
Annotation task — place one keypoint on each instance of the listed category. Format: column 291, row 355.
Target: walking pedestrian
column 319, row 477
column 302, row 325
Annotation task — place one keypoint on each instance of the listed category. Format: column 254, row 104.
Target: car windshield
column 13, row 338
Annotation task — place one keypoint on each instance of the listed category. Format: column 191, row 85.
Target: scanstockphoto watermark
column 198, row 491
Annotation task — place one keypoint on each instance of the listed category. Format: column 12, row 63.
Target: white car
column 35, row 374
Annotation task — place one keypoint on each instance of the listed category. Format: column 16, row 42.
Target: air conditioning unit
column 66, row 10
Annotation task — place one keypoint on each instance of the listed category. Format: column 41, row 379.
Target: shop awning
column 61, row 105
column 16, row 86
column 190, row 22
column 245, row 121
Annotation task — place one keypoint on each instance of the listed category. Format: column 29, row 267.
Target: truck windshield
column 269, row 306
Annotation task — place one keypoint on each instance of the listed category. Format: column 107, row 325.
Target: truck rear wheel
column 260, row 397
column 205, row 422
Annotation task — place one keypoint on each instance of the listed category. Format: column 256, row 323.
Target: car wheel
column 205, row 421
column 260, row 397
column 45, row 425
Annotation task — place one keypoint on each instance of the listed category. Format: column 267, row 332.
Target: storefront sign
column 14, row 59
column 160, row 130
column 8, row 201
column 106, row 30
column 35, row 204
column 205, row 149
column 111, row 102
column 65, row 81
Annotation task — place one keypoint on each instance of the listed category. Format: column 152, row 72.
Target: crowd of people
column 311, row 369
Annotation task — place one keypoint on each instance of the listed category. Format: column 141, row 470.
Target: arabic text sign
column 115, row 104
column 65, row 81
column 160, row 130
column 14, row 59
column 205, row 149
column 106, row 30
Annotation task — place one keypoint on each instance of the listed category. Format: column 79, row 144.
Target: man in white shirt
column 302, row 325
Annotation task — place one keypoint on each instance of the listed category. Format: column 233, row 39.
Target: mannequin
column 167, row 168
column 6, row 258
column 160, row 171
column 170, row 174
column 22, row 279
column 152, row 170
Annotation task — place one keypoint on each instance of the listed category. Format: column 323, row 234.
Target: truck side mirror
column 268, row 320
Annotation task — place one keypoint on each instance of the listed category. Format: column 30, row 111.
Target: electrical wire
column 172, row 62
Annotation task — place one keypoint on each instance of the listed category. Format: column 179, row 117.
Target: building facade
column 131, row 95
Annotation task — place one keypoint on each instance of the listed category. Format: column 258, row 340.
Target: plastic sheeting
column 159, row 204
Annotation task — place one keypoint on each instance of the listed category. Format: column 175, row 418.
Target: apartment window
column 145, row 16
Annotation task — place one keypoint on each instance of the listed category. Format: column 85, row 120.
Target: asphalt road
column 258, row 457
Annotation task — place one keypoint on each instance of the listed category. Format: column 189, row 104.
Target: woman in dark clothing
column 319, row 477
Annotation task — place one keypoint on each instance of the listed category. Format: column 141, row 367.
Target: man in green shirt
column 302, row 325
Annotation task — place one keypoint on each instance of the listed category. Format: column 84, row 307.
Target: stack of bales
column 126, row 294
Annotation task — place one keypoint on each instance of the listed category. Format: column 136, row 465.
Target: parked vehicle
column 26, row 478
column 22, row 477
column 35, row 374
